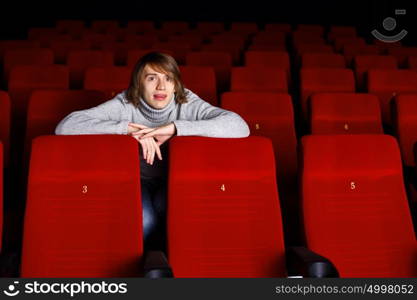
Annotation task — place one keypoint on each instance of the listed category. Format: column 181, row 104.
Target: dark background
column 17, row 16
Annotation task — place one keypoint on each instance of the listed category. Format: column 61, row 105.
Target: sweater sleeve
column 106, row 118
column 204, row 119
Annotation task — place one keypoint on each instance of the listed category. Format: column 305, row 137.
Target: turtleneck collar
column 156, row 115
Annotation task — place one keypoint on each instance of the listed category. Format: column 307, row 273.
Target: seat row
column 79, row 60
column 83, row 212
column 385, row 83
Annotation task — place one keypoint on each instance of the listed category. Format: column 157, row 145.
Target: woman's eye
column 151, row 78
column 168, row 78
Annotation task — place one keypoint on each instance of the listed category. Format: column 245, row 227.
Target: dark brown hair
column 160, row 62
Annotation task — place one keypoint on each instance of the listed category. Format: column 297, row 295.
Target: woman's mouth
column 159, row 97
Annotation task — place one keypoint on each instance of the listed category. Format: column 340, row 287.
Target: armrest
column 9, row 265
column 156, row 265
column 304, row 262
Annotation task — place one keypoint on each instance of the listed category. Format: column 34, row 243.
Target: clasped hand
column 151, row 139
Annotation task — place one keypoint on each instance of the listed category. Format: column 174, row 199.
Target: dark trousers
column 154, row 199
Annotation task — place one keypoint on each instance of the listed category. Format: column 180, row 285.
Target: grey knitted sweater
column 196, row 118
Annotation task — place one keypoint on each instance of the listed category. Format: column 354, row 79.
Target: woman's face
column 158, row 88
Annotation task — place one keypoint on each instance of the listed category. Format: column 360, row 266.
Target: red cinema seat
column 133, row 56
column 97, row 39
column 224, row 218
column 6, row 45
column 311, row 28
column 26, row 57
column 405, row 124
column 259, row 79
column 202, row 81
column 248, row 27
column 269, row 38
column 322, row 60
column 402, row 53
column 278, row 59
column 71, row 27
column 231, row 38
column 5, row 123
column 141, row 41
column 270, row 115
column 139, row 27
column 345, row 113
column 275, row 27
column 342, row 30
column 412, row 62
column 363, row 63
column 25, row 79
column 83, row 212
column 354, row 205
column 79, row 61
column 271, row 47
column 234, row 49
column 109, row 80
column 351, row 50
column 1, row 192
column 341, row 42
column 386, row 84
column 105, row 26
column 45, row 35
column 220, row 61
column 194, row 40
column 209, row 28
column 304, row 32
column 303, row 48
column 48, row 107
column 174, row 27
column 179, row 50
column 61, row 49
column 318, row 80
column 385, row 47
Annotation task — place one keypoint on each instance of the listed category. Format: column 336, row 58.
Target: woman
column 155, row 107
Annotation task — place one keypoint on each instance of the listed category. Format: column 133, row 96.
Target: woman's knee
column 150, row 221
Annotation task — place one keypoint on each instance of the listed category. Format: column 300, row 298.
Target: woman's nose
column 161, row 85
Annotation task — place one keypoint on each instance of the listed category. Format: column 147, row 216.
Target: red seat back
column 345, row 113
column 259, row 79
column 318, row 80
column 355, row 207
column 224, row 218
column 202, row 81
column 386, row 84
column 109, row 80
column 83, row 211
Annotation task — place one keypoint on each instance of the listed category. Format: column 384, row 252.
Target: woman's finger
column 146, row 142
column 139, row 126
column 158, row 150
column 143, row 131
column 152, row 151
column 144, row 148
column 150, row 134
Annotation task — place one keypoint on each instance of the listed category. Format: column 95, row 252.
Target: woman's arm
column 203, row 119
column 106, row 118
